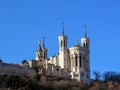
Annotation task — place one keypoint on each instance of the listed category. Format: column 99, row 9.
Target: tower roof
column 43, row 43
column 39, row 46
column 77, row 44
column 63, row 29
column 85, row 34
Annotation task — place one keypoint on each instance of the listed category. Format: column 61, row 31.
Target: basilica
column 73, row 62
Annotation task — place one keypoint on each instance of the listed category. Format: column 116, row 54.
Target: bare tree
column 97, row 75
column 110, row 75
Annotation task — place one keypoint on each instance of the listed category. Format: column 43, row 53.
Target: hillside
column 41, row 82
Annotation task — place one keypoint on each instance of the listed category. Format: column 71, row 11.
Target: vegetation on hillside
column 111, row 81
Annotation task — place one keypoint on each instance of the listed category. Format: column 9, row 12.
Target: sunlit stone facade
column 73, row 62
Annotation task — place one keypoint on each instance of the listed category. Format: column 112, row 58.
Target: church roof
column 77, row 45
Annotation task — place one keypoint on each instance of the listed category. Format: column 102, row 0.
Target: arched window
column 57, row 69
column 76, row 61
column 61, row 43
column 64, row 43
column 80, row 61
column 84, row 45
column 82, row 74
column 87, row 76
column 84, row 59
column 44, row 55
column 40, row 60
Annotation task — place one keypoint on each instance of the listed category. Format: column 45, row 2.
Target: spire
column 77, row 41
column 43, row 46
column 85, row 35
column 77, row 44
column 63, row 29
column 39, row 46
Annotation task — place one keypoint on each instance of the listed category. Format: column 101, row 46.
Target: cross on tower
column 43, row 42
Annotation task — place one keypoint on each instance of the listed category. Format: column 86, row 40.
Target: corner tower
column 85, row 41
column 62, row 40
column 41, row 53
column 63, row 49
column 45, row 50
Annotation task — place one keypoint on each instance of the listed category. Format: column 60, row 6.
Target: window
column 82, row 74
column 40, row 60
column 76, row 62
column 57, row 69
column 86, row 45
column 61, row 43
column 83, row 44
column 87, row 76
column 64, row 43
column 80, row 61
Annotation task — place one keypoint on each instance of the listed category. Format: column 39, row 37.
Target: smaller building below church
column 15, row 69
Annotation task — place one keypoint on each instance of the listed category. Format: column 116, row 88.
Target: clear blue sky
column 23, row 22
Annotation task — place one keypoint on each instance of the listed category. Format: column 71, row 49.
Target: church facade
column 73, row 62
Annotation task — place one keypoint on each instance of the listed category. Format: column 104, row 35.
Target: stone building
column 15, row 69
column 73, row 62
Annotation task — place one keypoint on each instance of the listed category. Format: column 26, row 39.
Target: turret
column 85, row 41
column 39, row 47
column 63, row 49
column 62, row 40
column 44, row 49
column 39, row 52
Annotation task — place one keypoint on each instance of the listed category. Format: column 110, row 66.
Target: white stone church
column 73, row 62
